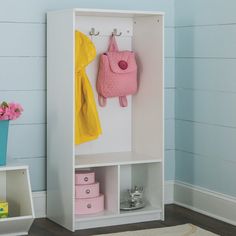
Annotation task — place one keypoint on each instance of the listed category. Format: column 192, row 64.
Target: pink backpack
column 117, row 76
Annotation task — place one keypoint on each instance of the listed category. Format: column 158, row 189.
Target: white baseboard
column 169, row 191
column 213, row 204
column 39, row 199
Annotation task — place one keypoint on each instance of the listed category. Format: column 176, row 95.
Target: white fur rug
column 180, row 230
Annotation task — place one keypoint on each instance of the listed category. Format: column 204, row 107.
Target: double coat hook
column 114, row 33
column 93, row 32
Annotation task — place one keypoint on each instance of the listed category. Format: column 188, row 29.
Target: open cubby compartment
column 15, row 189
column 148, row 176
column 133, row 133
column 107, row 177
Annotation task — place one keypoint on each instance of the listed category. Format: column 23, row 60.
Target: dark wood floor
column 175, row 215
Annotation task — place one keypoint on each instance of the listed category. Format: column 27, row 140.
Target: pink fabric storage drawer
column 87, row 190
column 89, row 205
column 84, row 177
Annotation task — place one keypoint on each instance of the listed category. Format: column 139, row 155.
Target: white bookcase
column 15, row 189
column 131, row 149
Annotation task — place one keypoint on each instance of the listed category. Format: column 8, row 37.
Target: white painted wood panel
column 211, row 107
column 170, row 134
column 169, row 42
column 37, row 170
column 148, row 102
column 169, row 81
column 208, row 42
column 108, row 179
column 26, row 141
column 169, row 165
column 22, row 40
column 210, row 141
column 198, row 12
column 22, row 73
column 60, row 118
column 203, row 171
column 169, row 103
column 206, row 74
column 33, row 103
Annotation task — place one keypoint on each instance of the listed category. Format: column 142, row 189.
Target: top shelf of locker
column 110, row 12
column 118, row 13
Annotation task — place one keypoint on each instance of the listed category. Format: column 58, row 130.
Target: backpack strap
column 102, row 101
column 123, row 101
column 113, row 47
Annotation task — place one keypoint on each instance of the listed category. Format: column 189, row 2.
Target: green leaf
column 4, row 104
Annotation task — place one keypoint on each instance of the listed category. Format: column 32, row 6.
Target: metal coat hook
column 114, row 33
column 93, row 33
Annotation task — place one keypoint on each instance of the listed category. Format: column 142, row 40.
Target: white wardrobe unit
column 131, row 149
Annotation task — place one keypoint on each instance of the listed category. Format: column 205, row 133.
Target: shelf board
column 115, row 13
column 146, row 210
column 108, row 214
column 102, row 215
column 111, row 159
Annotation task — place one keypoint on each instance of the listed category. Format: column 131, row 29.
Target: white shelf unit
column 114, row 181
column 131, row 149
column 15, row 189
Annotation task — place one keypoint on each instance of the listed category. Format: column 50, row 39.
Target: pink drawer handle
column 86, row 179
column 89, row 206
column 87, row 191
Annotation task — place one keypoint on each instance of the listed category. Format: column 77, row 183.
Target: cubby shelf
column 15, row 189
column 97, row 220
column 147, row 209
column 110, row 159
column 103, row 215
column 108, row 214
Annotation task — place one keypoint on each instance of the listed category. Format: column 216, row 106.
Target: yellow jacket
column 87, row 124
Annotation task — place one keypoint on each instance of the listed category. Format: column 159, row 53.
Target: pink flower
column 10, row 111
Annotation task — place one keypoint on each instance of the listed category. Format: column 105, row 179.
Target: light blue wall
column 23, row 75
column 206, row 94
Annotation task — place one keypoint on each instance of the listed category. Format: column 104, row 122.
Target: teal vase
column 4, row 124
